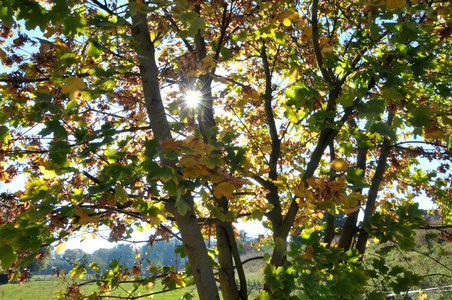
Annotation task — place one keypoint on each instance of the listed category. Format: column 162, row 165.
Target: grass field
column 45, row 287
column 39, row 289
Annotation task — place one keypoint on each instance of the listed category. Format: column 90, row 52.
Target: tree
column 308, row 108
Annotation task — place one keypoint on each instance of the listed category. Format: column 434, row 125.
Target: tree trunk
column 373, row 190
column 349, row 228
column 188, row 225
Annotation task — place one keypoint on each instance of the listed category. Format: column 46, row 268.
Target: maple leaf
column 309, row 254
column 225, row 189
column 84, row 217
column 73, row 86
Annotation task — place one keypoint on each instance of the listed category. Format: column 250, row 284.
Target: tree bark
column 349, row 229
column 187, row 223
column 373, row 190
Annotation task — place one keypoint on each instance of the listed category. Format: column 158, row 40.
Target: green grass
column 48, row 288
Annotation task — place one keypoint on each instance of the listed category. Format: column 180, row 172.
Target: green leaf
column 6, row 15
column 373, row 107
column 420, row 117
column 58, row 152
column 7, row 256
column 4, row 134
column 383, row 129
column 120, row 193
column 54, row 126
column 356, row 178
column 181, row 205
column 376, row 296
column 33, row 14
column 346, row 99
column 94, row 49
column 351, row 255
column 197, row 25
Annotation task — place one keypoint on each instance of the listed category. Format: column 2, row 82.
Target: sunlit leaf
column 339, row 165
column 73, row 86
column 224, row 189
column 60, row 247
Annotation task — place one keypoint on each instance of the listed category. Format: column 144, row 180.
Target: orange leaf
column 309, row 253
column 135, row 270
column 176, row 277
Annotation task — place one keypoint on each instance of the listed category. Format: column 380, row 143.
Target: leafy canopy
column 309, row 109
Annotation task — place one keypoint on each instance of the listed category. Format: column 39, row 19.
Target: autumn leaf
column 47, row 174
column 339, row 165
column 135, row 270
column 176, row 277
column 3, row 55
column 433, row 134
column 73, row 86
column 84, row 217
column 309, row 254
column 225, row 189
column 287, row 16
column 60, row 247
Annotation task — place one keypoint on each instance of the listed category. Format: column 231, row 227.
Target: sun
column 192, row 98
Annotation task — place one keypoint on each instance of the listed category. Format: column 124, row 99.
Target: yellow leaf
column 208, row 63
column 141, row 117
column 187, row 162
column 293, row 75
column 150, row 285
column 194, row 172
column 266, row 148
column 60, row 247
column 224, row 189
column 73, row 86
column 433, row 133
column 84, row 217
column 264, row 170
column 339, row 165
column 287, row 16
column 47, row 174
